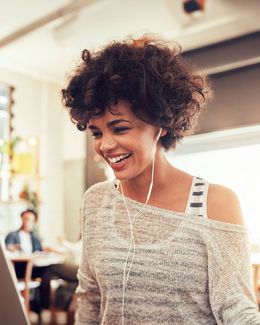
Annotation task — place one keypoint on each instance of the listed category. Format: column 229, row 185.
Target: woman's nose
column 107, row 144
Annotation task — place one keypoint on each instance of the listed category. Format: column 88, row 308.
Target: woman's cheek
column 96, row 146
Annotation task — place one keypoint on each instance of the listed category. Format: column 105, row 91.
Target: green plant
column 8, row 146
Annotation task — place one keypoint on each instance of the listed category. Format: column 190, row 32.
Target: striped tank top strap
column 197, row 202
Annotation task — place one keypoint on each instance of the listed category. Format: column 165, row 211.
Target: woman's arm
column 231, row 291
column 88, row 300
column 88, row 291
column 223, row 205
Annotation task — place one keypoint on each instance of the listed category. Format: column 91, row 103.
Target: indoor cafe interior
column 46, row 164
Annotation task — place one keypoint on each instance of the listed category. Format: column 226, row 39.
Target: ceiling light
column 193, row 6
column 32, row 142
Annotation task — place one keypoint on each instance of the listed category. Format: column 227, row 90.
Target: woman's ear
column 163, row 133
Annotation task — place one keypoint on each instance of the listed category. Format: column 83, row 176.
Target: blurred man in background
column 23, row 239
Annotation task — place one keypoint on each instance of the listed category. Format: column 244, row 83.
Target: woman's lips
column 120, row 165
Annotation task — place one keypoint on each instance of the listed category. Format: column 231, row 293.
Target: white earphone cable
column 131, row 223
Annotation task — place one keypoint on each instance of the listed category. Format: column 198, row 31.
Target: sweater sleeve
column 88, row 292
column 230, row 277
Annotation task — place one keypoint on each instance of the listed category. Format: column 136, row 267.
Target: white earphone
column 131, row 223
column 159, row 134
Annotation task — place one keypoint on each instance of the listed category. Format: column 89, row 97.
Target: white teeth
column 116, row 159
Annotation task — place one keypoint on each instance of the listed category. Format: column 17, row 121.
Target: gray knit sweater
column 187, row 269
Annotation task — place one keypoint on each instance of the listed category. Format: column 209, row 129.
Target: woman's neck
column 137, row 188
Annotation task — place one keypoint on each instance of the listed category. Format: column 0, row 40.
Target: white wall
column 74, row 163
column 38, row 113
column 51, row 223
column 74, row 141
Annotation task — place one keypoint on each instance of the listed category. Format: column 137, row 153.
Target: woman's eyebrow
column 92, row 127
column 114, row 122
column 109, row 124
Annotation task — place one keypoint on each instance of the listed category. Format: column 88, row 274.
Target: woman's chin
column 121, row 176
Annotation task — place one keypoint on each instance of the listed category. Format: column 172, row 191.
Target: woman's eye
column 120, row 129
column 96, row 134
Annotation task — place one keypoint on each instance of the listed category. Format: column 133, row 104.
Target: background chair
column 26, row 283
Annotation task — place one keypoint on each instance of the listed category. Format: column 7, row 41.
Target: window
column 230, row 158
column 5, row 130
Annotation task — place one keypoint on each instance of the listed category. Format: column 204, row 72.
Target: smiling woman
column 156, row 231
column 121, row 139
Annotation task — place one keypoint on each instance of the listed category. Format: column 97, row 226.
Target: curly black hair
column 149, row 74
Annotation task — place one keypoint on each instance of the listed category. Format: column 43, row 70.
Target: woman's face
column 124, row 141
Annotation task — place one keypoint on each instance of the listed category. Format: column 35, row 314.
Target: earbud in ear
column 159, row 134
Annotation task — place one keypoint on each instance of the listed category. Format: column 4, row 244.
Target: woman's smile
column 124, row 141
column 119, row 162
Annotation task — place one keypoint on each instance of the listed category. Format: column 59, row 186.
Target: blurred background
column 46, row 163
column 40, row 44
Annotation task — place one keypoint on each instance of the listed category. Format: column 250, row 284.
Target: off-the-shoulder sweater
column 187, row 269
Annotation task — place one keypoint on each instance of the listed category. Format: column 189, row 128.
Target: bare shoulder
column 223, row 205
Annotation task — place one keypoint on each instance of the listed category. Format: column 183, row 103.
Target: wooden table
column 31, row 260
column 38, row 258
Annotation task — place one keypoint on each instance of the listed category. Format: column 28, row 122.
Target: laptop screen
column 12, row 310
